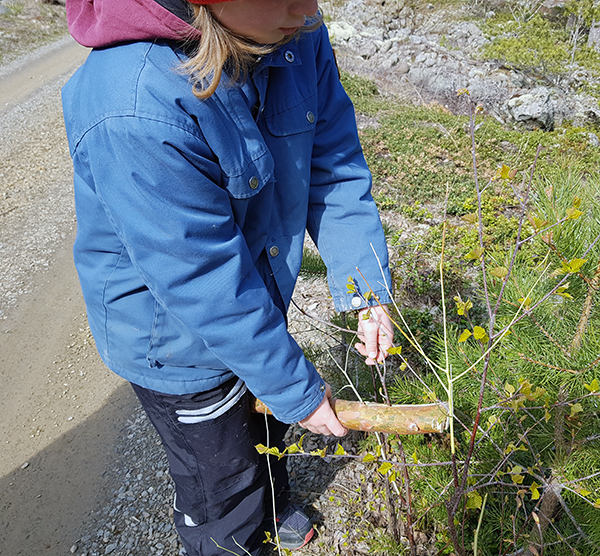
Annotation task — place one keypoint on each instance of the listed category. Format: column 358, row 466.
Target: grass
column 415, row 154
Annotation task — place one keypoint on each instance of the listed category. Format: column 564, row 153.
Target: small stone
column 25, row 465
column 74, row 549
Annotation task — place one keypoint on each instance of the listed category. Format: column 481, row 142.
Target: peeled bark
column 393, row 419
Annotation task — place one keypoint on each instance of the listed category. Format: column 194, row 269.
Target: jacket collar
column 286, row 55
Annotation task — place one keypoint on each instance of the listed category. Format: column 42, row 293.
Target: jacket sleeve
column 177, row 225
column 343, row 219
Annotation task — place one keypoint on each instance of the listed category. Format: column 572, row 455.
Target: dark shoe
column 294, row 528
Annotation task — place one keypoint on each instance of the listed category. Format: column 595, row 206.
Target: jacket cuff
column 314, row 399
column 354, row 301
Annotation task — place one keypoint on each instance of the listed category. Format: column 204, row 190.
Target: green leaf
column 499, row 272
column 539, row 223
column 492, row 420
column 480, row 334
column 562, row 291
column 466, row 334
column 525, row 301
column 471, row 218
column 385, row 467
column 509, row 389
column 575, row 265
column 321, row 453
column 516, row 477
column 474, row 500
column 462, row 307
column 415, row 458
column 369, row 458
column 592, row 386
column 301, row 441
column 576, row 409
column 573, row 213
column 339, row 451
column 293, row 449
column 535, row 493
column 261, row 448
column 475, row 254
column 503, row 173
column 395, row 350
column 350, row 285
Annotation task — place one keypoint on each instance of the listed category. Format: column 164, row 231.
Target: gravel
column 35, row 188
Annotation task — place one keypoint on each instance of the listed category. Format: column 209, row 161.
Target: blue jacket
column 191, row 215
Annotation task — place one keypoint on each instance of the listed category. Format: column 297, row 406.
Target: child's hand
column 323, row 420
column 375, row 333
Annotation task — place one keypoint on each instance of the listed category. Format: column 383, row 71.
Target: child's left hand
column 376, row 334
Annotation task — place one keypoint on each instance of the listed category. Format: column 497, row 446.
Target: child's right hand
column 323, row 420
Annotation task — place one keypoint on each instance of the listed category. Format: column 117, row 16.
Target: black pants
column 222, row 486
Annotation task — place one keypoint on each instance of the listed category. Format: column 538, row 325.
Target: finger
column 370, row 340
column 361, row 348
column 337, row 429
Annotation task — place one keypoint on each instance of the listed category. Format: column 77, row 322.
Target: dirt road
column 60, row 408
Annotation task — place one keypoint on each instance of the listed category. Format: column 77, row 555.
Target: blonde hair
column 221, row 50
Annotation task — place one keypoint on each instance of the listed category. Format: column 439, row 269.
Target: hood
column 98, row 23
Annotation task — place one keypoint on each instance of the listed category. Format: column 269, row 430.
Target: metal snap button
column 356, row 301
column 274, row 251
column 322, row 388
column 289, row 56
column 253, row 182
column 310, row 117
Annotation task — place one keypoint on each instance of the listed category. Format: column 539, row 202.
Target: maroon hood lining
column 99, row 23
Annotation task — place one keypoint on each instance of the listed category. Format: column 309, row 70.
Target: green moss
column 363, row 92
column 544, row 46
column 535, row 45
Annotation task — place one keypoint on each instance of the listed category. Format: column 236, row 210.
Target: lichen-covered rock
column 535, row 110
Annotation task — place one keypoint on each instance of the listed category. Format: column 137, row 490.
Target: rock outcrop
column 428, row 54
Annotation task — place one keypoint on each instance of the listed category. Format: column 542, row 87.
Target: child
column 206, row 136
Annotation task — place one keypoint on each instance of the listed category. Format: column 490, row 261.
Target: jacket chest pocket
column 287, row 118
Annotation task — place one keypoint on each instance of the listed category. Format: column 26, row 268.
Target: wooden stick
column 375, row 417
